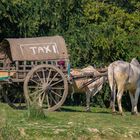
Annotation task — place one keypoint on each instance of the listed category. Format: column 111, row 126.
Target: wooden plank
column 102, row 70
column 17, row 80
column 89, row 75
column 24, row 69
column 20, row 66
column 89, row 82
column 17, row 68
column 35, row 63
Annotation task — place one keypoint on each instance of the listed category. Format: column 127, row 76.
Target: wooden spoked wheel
column 46, row 86
column 13, row 95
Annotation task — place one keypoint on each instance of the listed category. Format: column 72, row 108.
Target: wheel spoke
column 43, row 73
column 35, row 82
column 53, row 98
column 49, row 76
column 39, row 77
column 9, row 94
column 53, row 78
column 34, row 87
column 48, row 101
column 38, row 95
column 43, row 96
column 57, row 88
column 56, row 93
column 57, row 82
column 20, row 101
column 13, row 101
column 36, row 92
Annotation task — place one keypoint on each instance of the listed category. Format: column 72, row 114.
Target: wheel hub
column 46, row 87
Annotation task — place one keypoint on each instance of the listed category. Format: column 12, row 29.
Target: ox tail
column 112, row 84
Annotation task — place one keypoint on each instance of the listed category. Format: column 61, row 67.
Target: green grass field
column 71, row 123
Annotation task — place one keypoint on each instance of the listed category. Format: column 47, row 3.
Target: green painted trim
column 4, row 78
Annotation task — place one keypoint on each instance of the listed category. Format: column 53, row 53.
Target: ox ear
column 135, row 62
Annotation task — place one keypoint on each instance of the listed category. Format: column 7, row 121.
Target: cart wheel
column 47, row 86
column 13, row 96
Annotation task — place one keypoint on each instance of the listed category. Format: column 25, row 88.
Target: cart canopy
column 38, row 48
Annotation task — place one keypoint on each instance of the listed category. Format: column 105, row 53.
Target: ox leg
column 136, row 101
column 112, row 85
column 113, row 98
column 119, row 98
column 132, row 102
column 88, row 101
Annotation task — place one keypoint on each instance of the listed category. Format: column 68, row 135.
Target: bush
column 36, row 112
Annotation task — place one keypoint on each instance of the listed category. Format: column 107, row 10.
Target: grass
column 71, row 123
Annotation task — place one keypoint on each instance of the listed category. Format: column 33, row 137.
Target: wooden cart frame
column 40, row 64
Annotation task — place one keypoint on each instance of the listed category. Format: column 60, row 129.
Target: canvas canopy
column 39, row 48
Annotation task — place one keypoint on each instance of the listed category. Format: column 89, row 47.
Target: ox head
column 135, row 62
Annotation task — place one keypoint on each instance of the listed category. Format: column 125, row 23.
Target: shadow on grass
column 69, row 110
column 83, row 111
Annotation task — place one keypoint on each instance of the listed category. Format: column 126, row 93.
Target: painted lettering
column 40, row 49
column 47, row 49
column 55, row 50
column 33, row 49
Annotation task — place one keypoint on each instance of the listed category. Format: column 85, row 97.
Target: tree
column 97, row 31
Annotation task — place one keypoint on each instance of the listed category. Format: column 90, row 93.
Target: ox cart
column 41, row 66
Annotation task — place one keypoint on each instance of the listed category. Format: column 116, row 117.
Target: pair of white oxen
column 121, row 76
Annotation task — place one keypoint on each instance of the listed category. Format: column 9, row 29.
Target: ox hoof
column 119, row 113
column 134, row 113
column 114, row 113
column 88, row 110
column 122, row 114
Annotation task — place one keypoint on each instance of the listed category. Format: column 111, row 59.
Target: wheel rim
column 46, row 86
column 14, row 97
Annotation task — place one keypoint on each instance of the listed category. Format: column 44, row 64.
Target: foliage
column 97, row 31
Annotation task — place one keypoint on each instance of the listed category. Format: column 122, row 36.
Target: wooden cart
column 40, row 65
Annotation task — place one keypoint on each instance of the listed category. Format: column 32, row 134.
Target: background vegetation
column 97, row 31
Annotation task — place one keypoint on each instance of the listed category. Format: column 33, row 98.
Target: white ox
column 90, row 89
column 124, row 76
